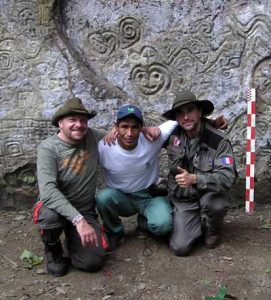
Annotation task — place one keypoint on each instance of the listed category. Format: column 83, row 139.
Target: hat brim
column 89, row 115
column 206, row 106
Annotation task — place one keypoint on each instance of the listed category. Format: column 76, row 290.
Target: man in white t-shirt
column 131, row 169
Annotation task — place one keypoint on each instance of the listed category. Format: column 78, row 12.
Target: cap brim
column 133, row 115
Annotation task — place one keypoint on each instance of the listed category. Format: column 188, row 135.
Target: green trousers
column 156, row 211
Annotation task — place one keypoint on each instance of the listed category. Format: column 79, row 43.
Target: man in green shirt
column 67, row 173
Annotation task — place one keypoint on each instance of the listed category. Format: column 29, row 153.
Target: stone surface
column 112, row 52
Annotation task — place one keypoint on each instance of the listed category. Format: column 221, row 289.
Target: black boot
column 56, row 264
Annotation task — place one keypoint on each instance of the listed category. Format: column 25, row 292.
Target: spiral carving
column 129, row 30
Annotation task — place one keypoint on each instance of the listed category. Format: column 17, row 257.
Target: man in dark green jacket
column 67, row 172
column 201, row 172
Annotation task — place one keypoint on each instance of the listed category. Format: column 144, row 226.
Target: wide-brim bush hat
column 185, row 97
column 72, row 106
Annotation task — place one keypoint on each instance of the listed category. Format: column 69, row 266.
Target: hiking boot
column 115, row 240
column 211, row 239
column 56, row 264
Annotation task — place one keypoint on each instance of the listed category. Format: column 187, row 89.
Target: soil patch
column 145, row 268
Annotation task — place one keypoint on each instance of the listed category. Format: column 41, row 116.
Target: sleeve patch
column 227, row 160
column 176, row 141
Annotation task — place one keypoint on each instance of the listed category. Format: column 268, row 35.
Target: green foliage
column 219, row 296
column 31, row 259
column 266, row 226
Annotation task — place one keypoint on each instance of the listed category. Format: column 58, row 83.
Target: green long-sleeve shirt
column 67, row 174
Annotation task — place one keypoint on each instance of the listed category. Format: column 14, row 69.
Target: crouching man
column 67, row 172
column 131, row 169
column 201, row 172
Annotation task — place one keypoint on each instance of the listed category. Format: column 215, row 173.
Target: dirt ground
column 145, row 268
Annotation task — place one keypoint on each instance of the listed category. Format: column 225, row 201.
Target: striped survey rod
column 250, row 150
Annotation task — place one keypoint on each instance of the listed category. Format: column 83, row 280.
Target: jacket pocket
column 203, row 162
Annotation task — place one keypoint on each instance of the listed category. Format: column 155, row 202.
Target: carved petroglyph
column 192, row 51
column 107, row 52
column 19, row 139
column 262, row 122
column 262, row 81
column 129, row 31
column 151, row 79
column 32, row 50
column 27, row 99
column 10, row 61
column 103, row 43
column 34, row 18
column 27, row 17
column 6, row 60
column 108, row 41
column 149, row 76
column 13, row 148
column 198, row 49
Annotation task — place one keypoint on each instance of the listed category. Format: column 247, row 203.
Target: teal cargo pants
column 112, row 204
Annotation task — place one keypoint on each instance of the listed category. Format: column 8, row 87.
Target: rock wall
column 112, row 52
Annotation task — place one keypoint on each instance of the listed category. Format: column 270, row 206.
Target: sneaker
column 115, row 240
column 211, row 239
column 56, row 264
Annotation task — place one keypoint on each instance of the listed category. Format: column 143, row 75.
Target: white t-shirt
column 133, row 170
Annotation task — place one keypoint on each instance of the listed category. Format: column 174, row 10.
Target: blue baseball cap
column 128, row 110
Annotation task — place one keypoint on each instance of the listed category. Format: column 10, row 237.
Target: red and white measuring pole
column 250, row 150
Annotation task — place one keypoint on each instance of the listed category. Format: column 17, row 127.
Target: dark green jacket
column 210, row 157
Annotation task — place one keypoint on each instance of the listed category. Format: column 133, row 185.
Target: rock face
column 113, row 52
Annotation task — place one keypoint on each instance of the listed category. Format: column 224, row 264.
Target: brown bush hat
column 71, row 106
column 185, row 97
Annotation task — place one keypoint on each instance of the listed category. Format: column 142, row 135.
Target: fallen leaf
column 30, row 258
column 219, row 296
column 266, row 226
